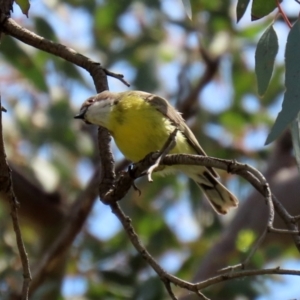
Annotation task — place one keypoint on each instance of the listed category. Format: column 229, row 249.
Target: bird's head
column 96, row 109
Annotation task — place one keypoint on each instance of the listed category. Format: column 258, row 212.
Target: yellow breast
column 139, row 128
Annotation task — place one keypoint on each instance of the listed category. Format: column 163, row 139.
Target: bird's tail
column 219, row 197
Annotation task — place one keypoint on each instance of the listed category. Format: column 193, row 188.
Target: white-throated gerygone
column 141, row 123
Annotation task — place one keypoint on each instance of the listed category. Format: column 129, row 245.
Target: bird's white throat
column 99, row 112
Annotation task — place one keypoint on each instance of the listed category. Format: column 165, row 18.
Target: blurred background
column 204, row 67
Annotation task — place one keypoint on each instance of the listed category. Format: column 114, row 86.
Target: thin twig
column 231, row 268
column 7, row 188
column 201, row 295
column 288, row 220
column 283, row 231
column 167, row 147
column 118, row 76
column 21, row 247
column 245, row 273
column 254, row 248
column 169, row 289
column 284, row 16
column 97, row 72
column 126, row 222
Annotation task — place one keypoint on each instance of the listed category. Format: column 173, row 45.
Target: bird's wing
column 171, row 113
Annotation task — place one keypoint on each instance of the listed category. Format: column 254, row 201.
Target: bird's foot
column 132, row 175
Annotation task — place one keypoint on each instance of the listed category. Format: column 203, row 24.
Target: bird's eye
column 90, row 101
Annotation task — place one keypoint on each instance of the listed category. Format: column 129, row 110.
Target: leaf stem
column 285, row 18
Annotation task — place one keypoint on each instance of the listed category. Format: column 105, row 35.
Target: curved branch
column 252, row 175
column 6, row 188
column 98, row 73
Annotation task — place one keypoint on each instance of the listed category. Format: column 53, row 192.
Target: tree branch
column 7, row 188
column 247, row 172
column 98, row 73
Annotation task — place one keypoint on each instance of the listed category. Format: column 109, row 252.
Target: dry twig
column 98, row 73
column 7, row 189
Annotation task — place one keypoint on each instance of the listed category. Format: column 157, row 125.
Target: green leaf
column 188, row 8
column 24, row 5
column 265, row 54
column 44, row 29
column 291, row 101
column 295, row 129
column 26, row 65
column 241, row 8
column 261, row 8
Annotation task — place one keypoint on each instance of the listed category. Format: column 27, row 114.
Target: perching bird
column 141, row 123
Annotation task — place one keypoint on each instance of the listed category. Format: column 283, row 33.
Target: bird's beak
column 80, row 115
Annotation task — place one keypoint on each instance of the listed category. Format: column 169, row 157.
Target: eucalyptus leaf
column 265, row 54
column 261, row 8
column 295, row 129
column 24, row 5
column 291, row 101
column 241, row 8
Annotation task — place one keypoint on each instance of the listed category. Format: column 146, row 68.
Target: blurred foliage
column 290, row 107
column 155, row 45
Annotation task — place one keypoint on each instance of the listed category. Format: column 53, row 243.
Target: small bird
column 141, row 123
